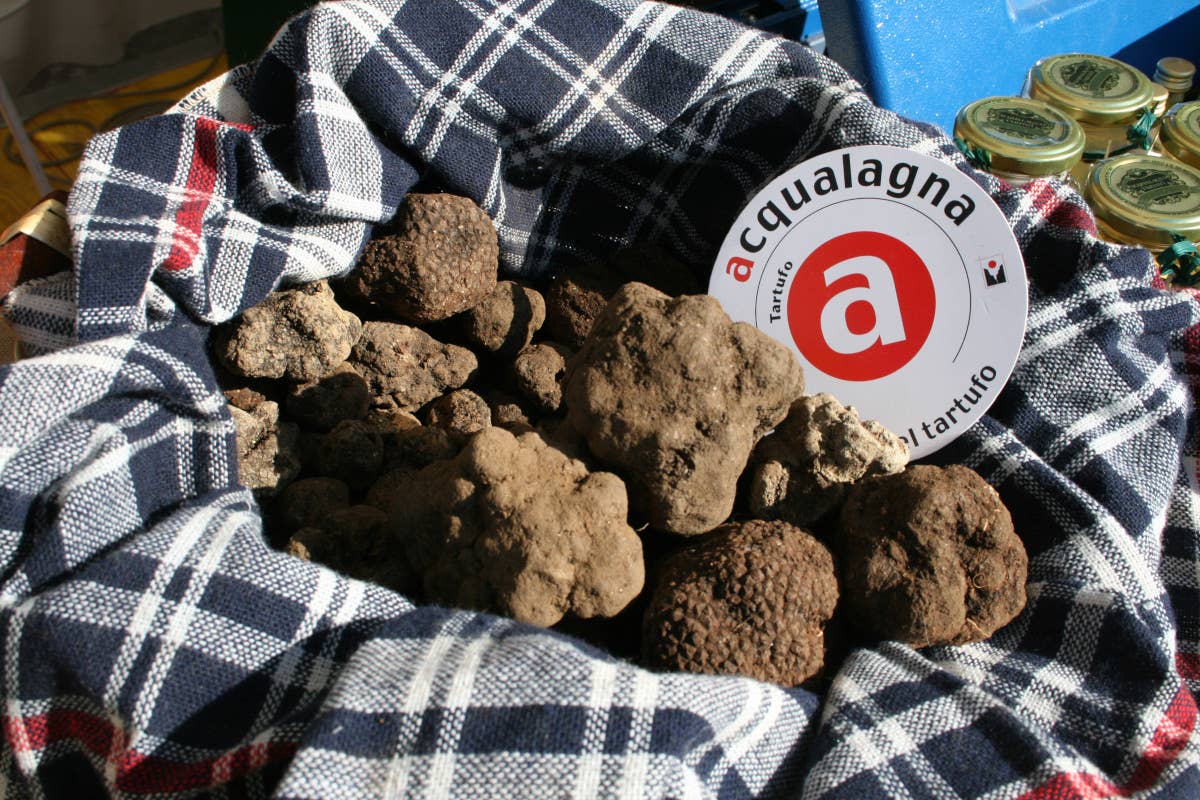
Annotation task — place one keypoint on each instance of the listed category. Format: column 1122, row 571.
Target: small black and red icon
column 993, row 270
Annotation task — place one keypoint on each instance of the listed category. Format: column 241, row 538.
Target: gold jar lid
column 1174, row 73
column 1021, row 135
column 1144, row 198
column 1092, row 89
column 1180, row 135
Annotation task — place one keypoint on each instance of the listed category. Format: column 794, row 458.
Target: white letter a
column 880, row 293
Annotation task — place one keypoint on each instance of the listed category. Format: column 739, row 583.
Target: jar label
column 893, row 277
column 1023, row 125
column 1160, row 189
column 1096, row 78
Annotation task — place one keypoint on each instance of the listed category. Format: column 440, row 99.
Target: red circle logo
column 861, row 306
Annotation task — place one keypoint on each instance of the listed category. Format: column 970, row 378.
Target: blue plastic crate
column 925, row 59
column 795, row 19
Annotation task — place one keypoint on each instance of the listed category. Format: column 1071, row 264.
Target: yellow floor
column 59, row 134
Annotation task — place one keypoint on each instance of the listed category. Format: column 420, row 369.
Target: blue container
column 925, row 59
column 795, row 19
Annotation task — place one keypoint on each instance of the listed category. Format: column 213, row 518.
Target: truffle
column 354, row 540
column 405, row 368
column 751, row 599
column 352, row 452
column 244, row 397
column 513, row 526
column 267, row 449
column 323, row 403
column 800, row 472
column 505, row 320
column 673, row 395
column 299, row 334
column 506, row 410
column 929, row 556
column 392, row 421
column 305, row 502
column 460, row 413
column 538, row 372
column 439, row 257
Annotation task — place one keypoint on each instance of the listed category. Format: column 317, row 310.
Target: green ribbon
column 1139, row 132
column 977, row 156
column 1180, row 263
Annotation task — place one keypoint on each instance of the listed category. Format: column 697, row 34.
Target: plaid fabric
column 154, row 645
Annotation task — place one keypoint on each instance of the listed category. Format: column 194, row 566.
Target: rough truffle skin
column 460, row 413
column 267, row 449
column 751, row 599
column 504, row 321
column 538, row 372
column 300, row 334
column 323, row 403
column 929, row 556
column 440, row 257
column 513, row 526
column 417, row 447
column 673, row 395
column 800, row 472
column 305, row 502
column 352, row 452
column 354, row 540
column 405, row 368
column 574, row 300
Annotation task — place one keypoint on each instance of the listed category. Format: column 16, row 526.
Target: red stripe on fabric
column 1074, row 786
column 34, row 733
column 202, row 177
column 1188, row 665
column 149, row 774
column 1169, row 739
column 1171, row 736
column 1058, row 211
column 138, row 773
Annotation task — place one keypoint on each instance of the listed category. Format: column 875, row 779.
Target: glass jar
column 1024, row 138
column 1145, row 199
column 1175, row 75
column 1180, row 134
column 1105, row 96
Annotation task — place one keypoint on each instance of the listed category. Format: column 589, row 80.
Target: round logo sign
column 894, row 278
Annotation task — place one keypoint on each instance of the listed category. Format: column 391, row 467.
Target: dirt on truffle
column 405, row 368
column 504, row 321
column 354, row 540
column 267, row 449
column 352, row 452
column 538, row 372
column 307, row 501
column 751, row 599
column 460, row 413
column 439, row 258
column 801, row 471
column 323, row 403
column 300, row 334
column 673, row 395
column 513, row 526
column 929, row 556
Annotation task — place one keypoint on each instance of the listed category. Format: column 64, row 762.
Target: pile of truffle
column 599, row 450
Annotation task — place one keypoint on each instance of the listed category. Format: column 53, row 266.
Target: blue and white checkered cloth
column 153, row 644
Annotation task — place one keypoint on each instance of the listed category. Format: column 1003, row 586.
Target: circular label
column 1099, row 78
column 894, row 278
column 1159, row 185
column 1014, row 122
